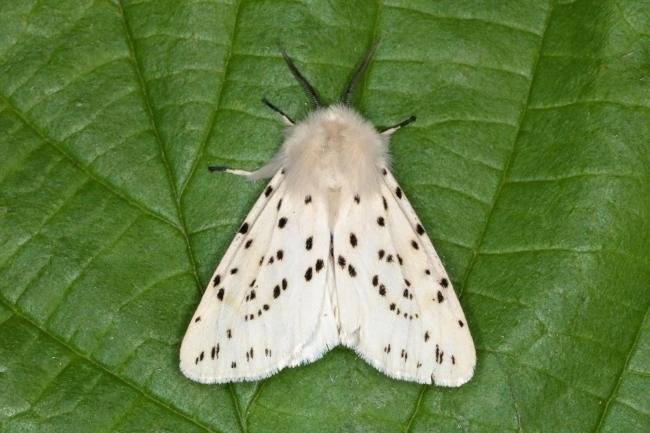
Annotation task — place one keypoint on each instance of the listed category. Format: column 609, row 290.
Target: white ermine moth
column 331, row 253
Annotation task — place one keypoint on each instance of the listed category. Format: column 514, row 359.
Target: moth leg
column 285, row 118
column 235, row 171
column 391, row 129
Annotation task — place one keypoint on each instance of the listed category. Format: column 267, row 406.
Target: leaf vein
column 213, row 119
column 85, row 168
column 161, row 145
column 614, row 392
column 152, row 398
column 508, row 162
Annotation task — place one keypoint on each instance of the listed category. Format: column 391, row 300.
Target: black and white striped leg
column 285, row 118
column 391, row 129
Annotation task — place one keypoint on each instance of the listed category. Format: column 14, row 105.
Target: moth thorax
column 335, row 148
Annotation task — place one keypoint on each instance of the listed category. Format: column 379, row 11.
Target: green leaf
column 529, row 166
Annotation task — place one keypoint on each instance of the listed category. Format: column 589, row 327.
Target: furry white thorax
column 333, row 148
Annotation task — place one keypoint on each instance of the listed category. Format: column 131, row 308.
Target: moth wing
column 267, row 304
column 397, row 308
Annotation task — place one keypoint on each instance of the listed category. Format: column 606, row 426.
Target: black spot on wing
column 375, row 280
column 248, row 244
column 308, row 273
column 357, row 199
column 460, row 323
column 220, row 294
column 279, row 204
column 216, row 280
column 415, row 245
column 439, row 355
column 282, row 222
column 214, row 353
column 319, row 265
column 309, row 243
column 419, row 229
column 440, row 297
column 398, row 192
column 382, row 291
column 284, row 284
column 341, row 261
column 276, row 291
column 352, row 271
column 268, row 191
column 353, row 240
column 383, row 199
column 444, row 282
column 381, row 221
column 426, row 336
column 279, row 254
column 244, row 228
column 307, row 199
column 233, row 271
column 198, row 319
column 381, row 254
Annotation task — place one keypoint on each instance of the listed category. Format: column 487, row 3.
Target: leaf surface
column 529, row 165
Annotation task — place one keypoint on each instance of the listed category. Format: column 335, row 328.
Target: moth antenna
column 285, row 118
column 347, row 95
column 391, row 129
column 308, row 88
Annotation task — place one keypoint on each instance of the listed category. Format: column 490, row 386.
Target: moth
column 332, row 253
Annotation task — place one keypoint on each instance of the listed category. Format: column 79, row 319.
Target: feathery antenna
column 308, row 88
column 347, row 95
